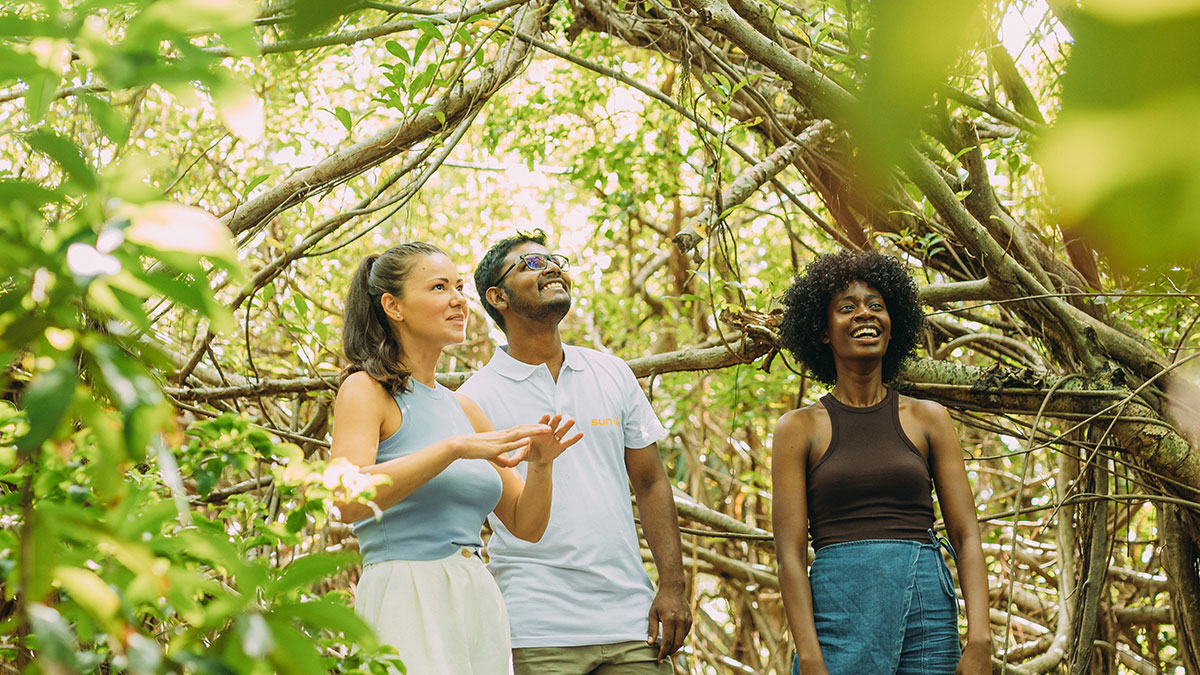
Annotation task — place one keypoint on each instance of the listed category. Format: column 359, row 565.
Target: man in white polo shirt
column 579, row 600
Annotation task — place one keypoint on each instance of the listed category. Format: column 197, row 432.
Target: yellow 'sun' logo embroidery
column 604, row 421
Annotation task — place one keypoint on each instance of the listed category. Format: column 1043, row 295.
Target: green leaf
column 423, row 80
column 296, row 520
column 125, row 379
column 108, row 479
column 344, row 117
column 46, row 400
column 912, row 46
column 252, row 577
column 40, row 94
column 55, row 641
column 64, row 153
column 398, row 74
column 202, row 661
column 307, row 571
column 210, row 544
column 1122, row 159
column 330, row 616
column 254, row 182
column 23, row 192
column 206, row 476
column 181, row 289
column 141, row 425
column 398, row 51
column 427, row 28
column 311, row 15
column 294, row 653
column 111, row 123
column 90, row 592
column 419, row 49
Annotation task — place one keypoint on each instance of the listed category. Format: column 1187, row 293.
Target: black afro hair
column 806, row 305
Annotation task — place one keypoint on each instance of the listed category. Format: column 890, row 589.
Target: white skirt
column 444, row 617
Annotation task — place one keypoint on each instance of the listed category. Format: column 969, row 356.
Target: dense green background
column 186, row 185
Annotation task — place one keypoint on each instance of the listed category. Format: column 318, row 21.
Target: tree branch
column 454, row 104
column 746, row 185
column 978, row 289
column 351, row 37
column 1139, row 428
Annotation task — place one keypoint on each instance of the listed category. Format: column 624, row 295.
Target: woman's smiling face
column 857, row 323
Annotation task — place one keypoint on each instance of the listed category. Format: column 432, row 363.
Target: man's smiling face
column 541, row 295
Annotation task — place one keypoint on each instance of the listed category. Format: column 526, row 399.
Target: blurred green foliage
column 104, row 564
column 911, row 47
column 1123, row 160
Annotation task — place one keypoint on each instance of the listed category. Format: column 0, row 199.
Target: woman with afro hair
column 855, row 472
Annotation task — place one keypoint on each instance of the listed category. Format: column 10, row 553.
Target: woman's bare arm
column 789, row 470
column 359, row 411
column 957, row 502
column 524, row 506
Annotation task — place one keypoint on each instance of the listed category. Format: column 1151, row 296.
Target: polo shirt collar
column 573, row 358
column 513, row 369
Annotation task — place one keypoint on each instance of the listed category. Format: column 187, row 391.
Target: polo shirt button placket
column 552, row 386
column 559, row 396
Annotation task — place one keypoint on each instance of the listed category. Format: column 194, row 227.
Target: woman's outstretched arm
column 524, row 506
column 789, row 460
column 359, row 412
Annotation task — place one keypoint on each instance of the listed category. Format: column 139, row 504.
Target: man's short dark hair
column 806, row 302
column 492, row 266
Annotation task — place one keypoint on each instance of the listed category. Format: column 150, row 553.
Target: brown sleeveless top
column 872, row 482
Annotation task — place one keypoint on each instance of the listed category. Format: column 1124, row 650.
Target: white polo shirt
column 584, row 582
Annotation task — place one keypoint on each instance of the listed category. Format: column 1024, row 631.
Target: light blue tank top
column 445, row 514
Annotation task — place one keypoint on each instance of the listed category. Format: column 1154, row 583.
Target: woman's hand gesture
column 546, row 447
column 494, row 446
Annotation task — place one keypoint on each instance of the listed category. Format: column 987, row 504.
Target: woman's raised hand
column 547, row 447
column 494, row 446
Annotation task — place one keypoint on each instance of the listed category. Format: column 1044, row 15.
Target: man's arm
column 660, row 524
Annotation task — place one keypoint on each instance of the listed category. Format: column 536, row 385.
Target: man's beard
column 546, row 311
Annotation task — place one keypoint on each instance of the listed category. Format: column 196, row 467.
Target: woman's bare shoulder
column 803, row 422
column 359, row 388
column 930, row 412
column 808, row 414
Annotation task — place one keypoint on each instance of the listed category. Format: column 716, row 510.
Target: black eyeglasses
column 536, row 262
